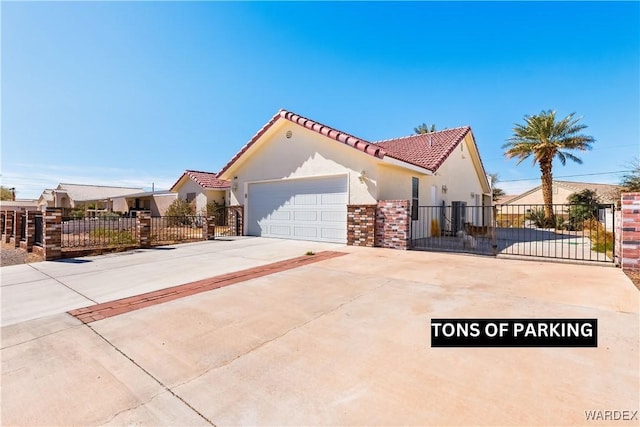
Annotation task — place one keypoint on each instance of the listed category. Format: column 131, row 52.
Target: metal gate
column 37, row 232
column 574, row 232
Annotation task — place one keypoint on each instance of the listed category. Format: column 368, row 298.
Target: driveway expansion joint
column 113, row 308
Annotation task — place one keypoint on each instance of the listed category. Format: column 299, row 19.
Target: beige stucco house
column 607, row 193
column 92, row 199
column 155, row 202
column 201, row 188
column 300, row 179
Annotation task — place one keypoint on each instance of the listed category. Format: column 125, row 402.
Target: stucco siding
column 160, row 203
column 460, row 177
column 306, row 154
column 560, row 195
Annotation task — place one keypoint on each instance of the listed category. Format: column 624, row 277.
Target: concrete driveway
column 344, row 341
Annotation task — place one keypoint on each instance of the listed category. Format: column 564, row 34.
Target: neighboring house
column 157, row 202
column 607, row 193
column 201, row 188
column 525, row 202
column 300, row 179
column 92, row 199
column 19, row 204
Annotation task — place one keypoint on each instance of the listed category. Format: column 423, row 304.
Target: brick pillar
column 8, row 226
column 392, row 229
column 209, row 231
column 235, row 220
column 52, row 233
column 143, row 224
column 17, row 229
column 27, row 243
column 629, row 229
column 361, row 224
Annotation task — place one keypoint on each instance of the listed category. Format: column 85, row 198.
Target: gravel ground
column 634, row 275
column 12, row 256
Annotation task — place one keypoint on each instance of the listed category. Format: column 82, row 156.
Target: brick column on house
column 235, row 220
column 8, row 226
column 361, row 225
column 143, row 224
column 30, row 229
column 392, row 229
column 52, row 234
column 629, row 229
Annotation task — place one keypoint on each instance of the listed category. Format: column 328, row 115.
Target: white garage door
column 301, row 209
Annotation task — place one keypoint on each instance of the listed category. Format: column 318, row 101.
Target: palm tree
column 423, row 128
column 545, row 138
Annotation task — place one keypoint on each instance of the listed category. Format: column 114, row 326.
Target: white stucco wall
column 188, row 186
column 560, row 195
column 459, row 175
column 309, row 154
column 160, row 203
column 306, row 154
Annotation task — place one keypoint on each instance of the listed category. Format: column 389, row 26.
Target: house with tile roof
column 201, row 188
column 297, row 178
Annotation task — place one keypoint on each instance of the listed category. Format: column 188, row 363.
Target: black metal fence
column 571, row 232
column 457, row 227
column 23, row 227
column 38, row 237
column 174, row 229
column 98, row 232
column 2, row 221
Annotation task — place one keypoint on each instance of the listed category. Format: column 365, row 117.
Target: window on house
column 191, row 197
column 414, row 198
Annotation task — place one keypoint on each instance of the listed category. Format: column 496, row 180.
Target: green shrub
column 180, row 211
column 77, row 213
column 538, row 217
column 112, row 237
column 108, row 215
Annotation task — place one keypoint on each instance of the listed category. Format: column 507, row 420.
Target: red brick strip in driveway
column 125, row 305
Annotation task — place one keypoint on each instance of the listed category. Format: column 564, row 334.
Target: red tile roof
column 329, row 132
column 428, row 150
column 206, row 180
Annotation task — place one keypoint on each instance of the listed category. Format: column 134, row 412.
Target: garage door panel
column 280, row 215
column 305, row 209
column 307, row 232
column 332, row 216
column 305, row 199
column 279, row 230
column 331, row 234
column 305, row 216
column 333, row 199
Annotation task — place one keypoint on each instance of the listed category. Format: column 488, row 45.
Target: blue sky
column 130, row 93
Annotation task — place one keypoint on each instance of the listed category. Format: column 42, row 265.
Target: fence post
column 629, row 230
column 30, row 231
column 209, row 232
column 8, row 226
column 52, row 233
column 17, row 229
column 143, row 223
